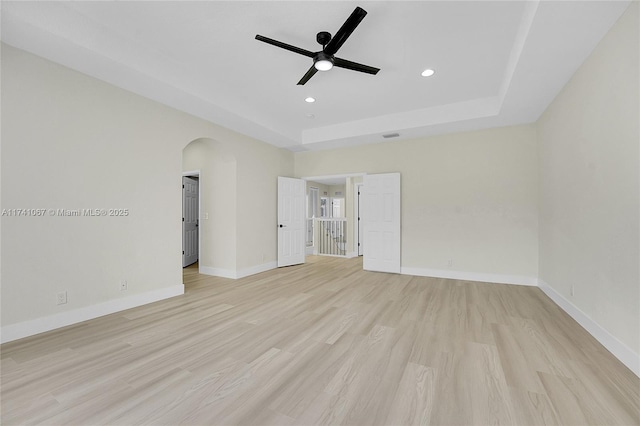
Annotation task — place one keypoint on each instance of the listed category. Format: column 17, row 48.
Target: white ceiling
column 497, row 63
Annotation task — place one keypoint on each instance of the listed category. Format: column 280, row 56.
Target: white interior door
column 189, row 221
column 381, row 221
column 291, row 221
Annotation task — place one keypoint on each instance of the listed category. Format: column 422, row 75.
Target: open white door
column 291, row 221
column 189, row 221
column 381, row 221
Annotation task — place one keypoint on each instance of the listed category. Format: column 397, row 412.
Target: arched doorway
column 215, row 167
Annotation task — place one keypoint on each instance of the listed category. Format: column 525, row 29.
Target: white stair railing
column 332, row 236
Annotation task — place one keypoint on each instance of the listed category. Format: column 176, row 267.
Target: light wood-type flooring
column 322, row 343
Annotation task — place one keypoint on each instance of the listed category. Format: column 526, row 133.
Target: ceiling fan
column 324, row 60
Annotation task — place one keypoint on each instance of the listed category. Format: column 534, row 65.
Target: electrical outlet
column 450, row 263
column 61, row 298
column 123, row 285
column 572, row 290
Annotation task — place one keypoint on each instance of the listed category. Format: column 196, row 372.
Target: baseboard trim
column 229, row 273
column 256, row 269
column 621, row 351
column 217, row 272
column 470, row 276
column 40, row 325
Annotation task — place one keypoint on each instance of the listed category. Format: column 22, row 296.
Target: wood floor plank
column 322, row 343
column 532, row 409
column 519, row 374
column 414, row 399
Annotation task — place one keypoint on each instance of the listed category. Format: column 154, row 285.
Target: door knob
column 283, row 226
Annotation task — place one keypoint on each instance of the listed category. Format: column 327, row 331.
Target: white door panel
column 291, row 221
column 381, row 222
column 189, row 221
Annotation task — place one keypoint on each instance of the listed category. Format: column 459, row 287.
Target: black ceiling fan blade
column 312, row 71
column 284, row 46
column 343, row 63
column 345, row 30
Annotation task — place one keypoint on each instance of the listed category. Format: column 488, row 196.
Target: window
column 312, row 202
column 323, row 207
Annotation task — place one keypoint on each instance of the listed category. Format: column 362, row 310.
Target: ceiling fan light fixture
column 323, row 62
column 323, row 65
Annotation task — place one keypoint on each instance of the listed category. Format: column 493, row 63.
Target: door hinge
column 183, row 219
column 183, row 252
column 182, row 186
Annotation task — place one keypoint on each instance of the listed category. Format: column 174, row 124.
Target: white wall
column 468, row 197
column 238, row 239
column 589, row 186
column 337, row 191
column 259, row 166
column 72, row 141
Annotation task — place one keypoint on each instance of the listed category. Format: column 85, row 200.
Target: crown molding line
column 42, row 42
column 531, row 8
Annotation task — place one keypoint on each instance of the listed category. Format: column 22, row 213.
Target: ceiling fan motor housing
column 323, row 38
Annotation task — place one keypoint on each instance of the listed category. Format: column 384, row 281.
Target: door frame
column 357, row 236
column 345, row 176
column 196, row 173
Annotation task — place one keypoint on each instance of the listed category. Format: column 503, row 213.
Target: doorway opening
column 215, row 165
column 331, row 215
column 381, row 208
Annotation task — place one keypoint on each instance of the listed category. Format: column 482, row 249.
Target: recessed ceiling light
column 310, row 99
column 428, row 72
column 310, row 116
